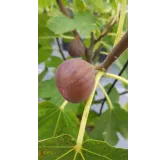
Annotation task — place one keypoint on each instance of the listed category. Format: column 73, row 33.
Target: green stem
column 63, row 105
column 106, row 96
column 121, row 22
column 116, row 77
column 86, row 112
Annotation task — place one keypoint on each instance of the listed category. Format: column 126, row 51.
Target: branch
column 122, row 93
column 106, row 30
column 65, row 12
column 89, row 51
column 92, row 37
column 109, row 26
column 113, row 84
column 60, row 49
column 62, row 8
column 115, row 53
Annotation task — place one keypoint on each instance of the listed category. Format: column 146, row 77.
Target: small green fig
column 75, row 79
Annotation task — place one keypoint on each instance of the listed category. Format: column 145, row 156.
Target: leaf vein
column 96, row 154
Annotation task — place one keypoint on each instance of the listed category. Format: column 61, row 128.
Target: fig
column 76, row 48
column 75, row 79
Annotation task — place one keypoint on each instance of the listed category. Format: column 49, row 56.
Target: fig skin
column 76, row 48
column 75, row 79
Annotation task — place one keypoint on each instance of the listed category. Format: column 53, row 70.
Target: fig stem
column 86, row 112
column 115, row 53
column 112, row 86
column 116, row 77
column 63, row 105
column 106, row 96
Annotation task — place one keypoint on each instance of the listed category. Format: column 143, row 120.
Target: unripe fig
column 75, row 79
column 76, row 48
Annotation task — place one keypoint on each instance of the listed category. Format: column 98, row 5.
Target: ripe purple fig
column 75, row 79
column 76, row 48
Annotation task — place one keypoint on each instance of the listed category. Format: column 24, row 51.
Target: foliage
column 114, row 121
column 83, row 22
column 59, row 121
column 62, row 147
column 53, row 121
